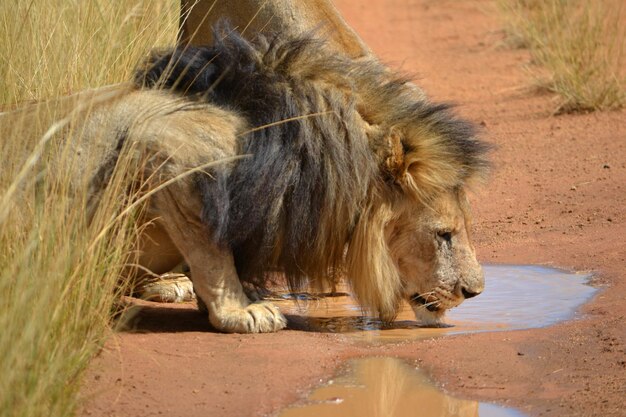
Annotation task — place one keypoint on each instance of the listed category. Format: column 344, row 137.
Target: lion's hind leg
column 213, row 272
column 158, row 258
column 171, row 287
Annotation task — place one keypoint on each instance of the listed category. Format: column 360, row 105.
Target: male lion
column 340, row 170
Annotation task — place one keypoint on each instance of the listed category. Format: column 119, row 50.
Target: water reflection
column 381, row 387
column 515, row 297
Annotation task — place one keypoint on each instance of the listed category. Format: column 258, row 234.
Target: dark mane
column 311, row 170
column 294, row 204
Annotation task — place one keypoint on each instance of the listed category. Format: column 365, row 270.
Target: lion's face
column 436, row 260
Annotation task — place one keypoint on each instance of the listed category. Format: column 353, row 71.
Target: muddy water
column 381, row 387
column 515, row 297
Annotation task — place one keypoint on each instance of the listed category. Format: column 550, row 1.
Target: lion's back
column 152, row 123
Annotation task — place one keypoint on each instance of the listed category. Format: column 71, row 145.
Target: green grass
column 58, row 269
column 577, row 48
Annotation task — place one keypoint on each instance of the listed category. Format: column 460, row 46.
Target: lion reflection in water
column 381, row 387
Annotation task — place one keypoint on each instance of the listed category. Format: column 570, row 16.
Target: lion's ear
column 394, row 162
column 422, row 167
column 386, row 143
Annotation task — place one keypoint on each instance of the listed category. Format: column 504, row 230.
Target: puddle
column 515, row 297
column 381, row 387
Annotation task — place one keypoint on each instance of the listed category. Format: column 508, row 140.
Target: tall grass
column 53, row 47
column 59, row 268
column 577, row 46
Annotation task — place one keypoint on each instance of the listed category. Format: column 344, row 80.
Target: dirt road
column 557, row 197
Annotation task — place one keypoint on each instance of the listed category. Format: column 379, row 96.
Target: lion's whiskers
column 424, row 295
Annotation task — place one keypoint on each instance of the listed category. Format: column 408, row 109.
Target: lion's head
column 417, row 226
column 413, row 243
column 351, row 170
column 430, row 244
column 418, row 253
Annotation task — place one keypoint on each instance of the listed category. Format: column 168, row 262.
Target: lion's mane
column 316, row 192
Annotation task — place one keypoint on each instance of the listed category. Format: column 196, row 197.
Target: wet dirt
column 380, row 387
column 506, row 304
column 556, row 198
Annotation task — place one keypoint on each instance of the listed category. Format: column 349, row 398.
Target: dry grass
column 56, row 47
column 577, row 48
column 58, row 270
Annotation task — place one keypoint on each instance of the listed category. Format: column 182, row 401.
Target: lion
column 275, row 157
column 271, row 17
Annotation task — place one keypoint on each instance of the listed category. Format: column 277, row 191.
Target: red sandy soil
column 557, row 198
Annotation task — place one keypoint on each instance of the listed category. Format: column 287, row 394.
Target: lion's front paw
column 259, row 317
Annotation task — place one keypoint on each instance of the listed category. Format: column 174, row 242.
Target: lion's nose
column 469, row 294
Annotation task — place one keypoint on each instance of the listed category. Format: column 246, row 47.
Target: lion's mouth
column 431, row 305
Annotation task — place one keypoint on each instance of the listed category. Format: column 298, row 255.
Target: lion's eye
column 445, row 235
